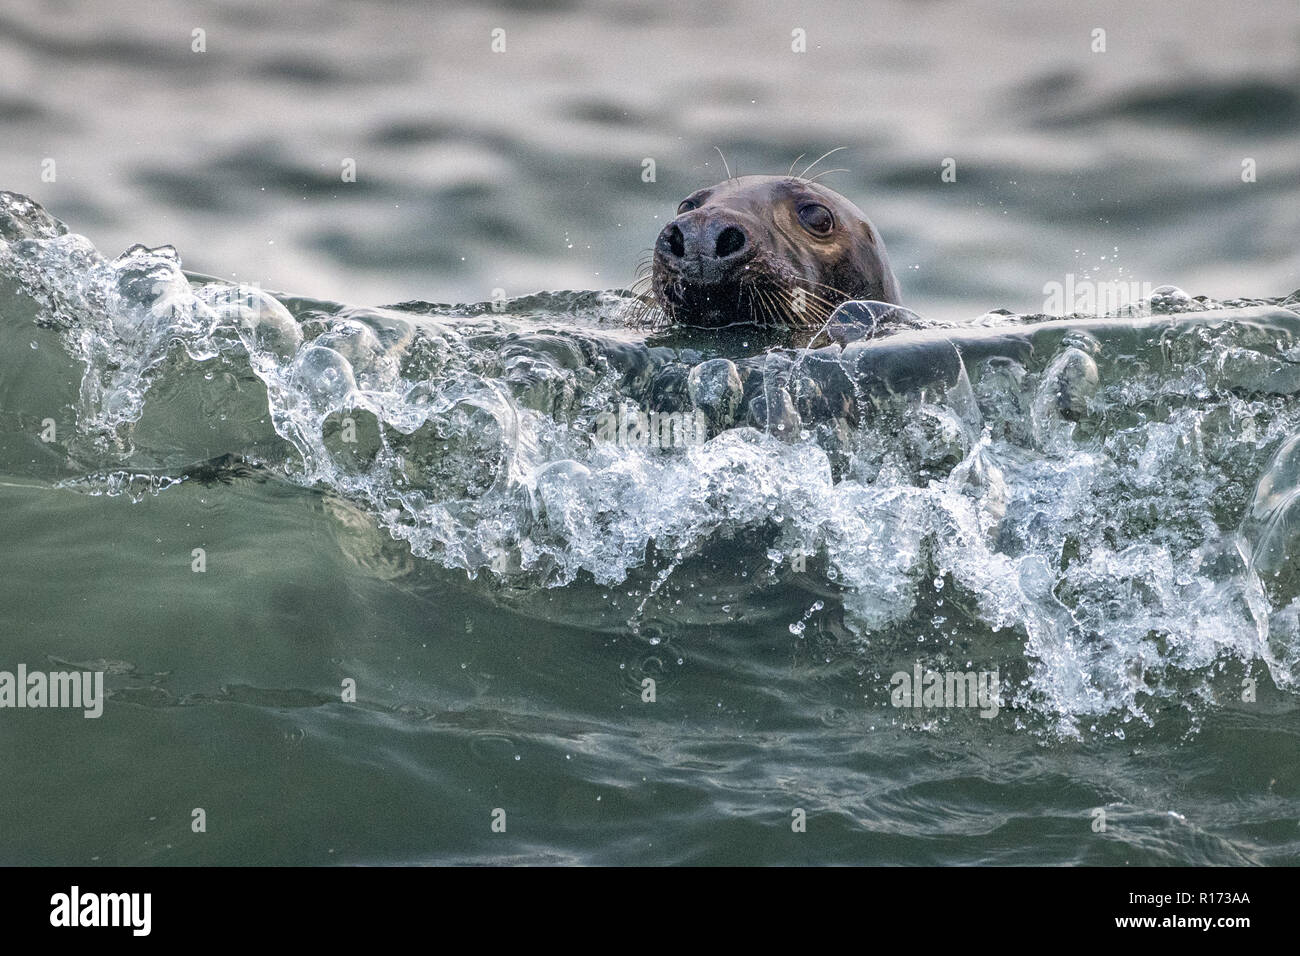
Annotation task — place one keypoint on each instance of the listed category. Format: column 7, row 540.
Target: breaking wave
column 1114, row 502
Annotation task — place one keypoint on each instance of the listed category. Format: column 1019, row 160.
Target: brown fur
column 785, row 274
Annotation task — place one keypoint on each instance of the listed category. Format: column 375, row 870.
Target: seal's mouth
column 686, row 300
column 761, row 292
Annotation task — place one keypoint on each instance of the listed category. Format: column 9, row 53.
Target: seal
column 769, row 251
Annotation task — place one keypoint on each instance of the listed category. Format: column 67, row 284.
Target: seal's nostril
column 730, row 241
column 676, row 242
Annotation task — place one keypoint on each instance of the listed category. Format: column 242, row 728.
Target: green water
column 474, row 697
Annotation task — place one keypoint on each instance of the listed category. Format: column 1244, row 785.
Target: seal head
column 767, row 250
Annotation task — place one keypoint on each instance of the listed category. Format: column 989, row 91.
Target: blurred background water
column 522, row 171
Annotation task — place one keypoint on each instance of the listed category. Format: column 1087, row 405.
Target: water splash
column 1119, row 497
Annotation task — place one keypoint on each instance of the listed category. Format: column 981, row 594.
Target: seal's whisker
column 724, row 163
column 843, row 296
column 750, row 293
column 758, row 312
column 825, row 319
column 819, row 315
column 759, row 295
column 812, row 307
column 791, row 318
column 780, row 307
column 803, row 283
column 795, row 163
column 771, row 311
column 826, row 304
column 827, row 172
column 784, row 309
column 750, row 287
column 804, row 174
column 647, row 311
column 643, row 310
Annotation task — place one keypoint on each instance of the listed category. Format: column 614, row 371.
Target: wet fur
column 849, row 263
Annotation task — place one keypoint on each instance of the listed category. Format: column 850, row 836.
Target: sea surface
column 318, row 473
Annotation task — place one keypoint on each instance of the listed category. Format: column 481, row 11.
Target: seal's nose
column 730, row 241
column 672, row 242
column 694, row 237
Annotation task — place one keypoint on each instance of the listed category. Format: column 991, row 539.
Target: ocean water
column 252, row 458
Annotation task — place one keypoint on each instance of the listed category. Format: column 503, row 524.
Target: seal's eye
column 686, row 206
column 816, row 218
